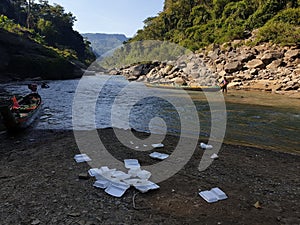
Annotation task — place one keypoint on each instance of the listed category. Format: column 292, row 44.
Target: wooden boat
column 20, row 113
column 184, row 87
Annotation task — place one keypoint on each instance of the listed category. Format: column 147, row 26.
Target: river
column 257, row 119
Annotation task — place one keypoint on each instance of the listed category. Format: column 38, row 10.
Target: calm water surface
column 253, row 118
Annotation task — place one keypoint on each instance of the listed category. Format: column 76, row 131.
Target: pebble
column 73, row 214
column 35, row 222
column 257, row 205
column 84, row 176
column 81, row 222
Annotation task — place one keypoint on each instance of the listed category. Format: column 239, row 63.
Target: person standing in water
column 224, row 84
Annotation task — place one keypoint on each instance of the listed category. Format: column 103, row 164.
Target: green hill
column 22, row 58
column 37, row 39
column 103, row 43
column 197, row 23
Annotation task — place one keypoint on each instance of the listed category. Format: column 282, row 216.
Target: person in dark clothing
column 224, row 84
column 33, row 87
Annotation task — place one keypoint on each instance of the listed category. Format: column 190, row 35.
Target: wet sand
column 40, row 185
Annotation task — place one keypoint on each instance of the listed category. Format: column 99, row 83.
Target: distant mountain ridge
column 102, row 43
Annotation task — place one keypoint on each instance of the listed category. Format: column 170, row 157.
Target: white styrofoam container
column 219, row 193
column 116, row 189
column 120, row 175
column 144, row 174
column 82, row 158
column 132, row 181
column 214, row 156
column 205, row 146
column 131, row 163
column 214, row 195
column 145, row 186
column 94, row 172
column 101, row 183
column 134, row 171
column 159, row 145
column 208, row 196
column 158, row 155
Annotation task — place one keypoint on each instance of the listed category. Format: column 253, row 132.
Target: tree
column 29, row 15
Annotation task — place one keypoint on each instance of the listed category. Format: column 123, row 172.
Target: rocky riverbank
column 264, row 67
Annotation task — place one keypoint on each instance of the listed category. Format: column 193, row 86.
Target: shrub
column 284, row 28
column 279, row 33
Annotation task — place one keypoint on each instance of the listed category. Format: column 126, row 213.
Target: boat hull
column 187, row 88
column 17, row 119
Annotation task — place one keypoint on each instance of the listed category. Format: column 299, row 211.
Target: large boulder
column 275, row 64
column 268, row 57
column 292, row 54
column 132, row 78
column 245, row 57
column 179, row 81
column 255, row 63
column 114, row 72
column 214, row 54
column 232, row 66
column 167, row 69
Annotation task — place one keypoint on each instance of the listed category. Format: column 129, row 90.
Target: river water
column 253, row 118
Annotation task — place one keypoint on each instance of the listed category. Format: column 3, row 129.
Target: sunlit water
column 256, row 119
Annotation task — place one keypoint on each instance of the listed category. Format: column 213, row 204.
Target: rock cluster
column 186, row 70
column 264, row 67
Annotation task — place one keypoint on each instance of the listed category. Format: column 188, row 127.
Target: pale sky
column 110, row 16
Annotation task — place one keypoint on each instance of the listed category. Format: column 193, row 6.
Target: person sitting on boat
column 32, row 87
column 224, row 84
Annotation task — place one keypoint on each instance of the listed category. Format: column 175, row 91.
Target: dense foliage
column 46, row 24
column 198, row 23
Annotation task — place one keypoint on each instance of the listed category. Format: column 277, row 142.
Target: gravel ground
column 40, row 185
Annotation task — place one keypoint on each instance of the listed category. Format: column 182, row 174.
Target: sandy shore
column 40, row 185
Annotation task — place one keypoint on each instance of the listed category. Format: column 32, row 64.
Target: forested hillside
column 197, row 23
column 102, row 43
column 45, row 43
column 47, row 24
